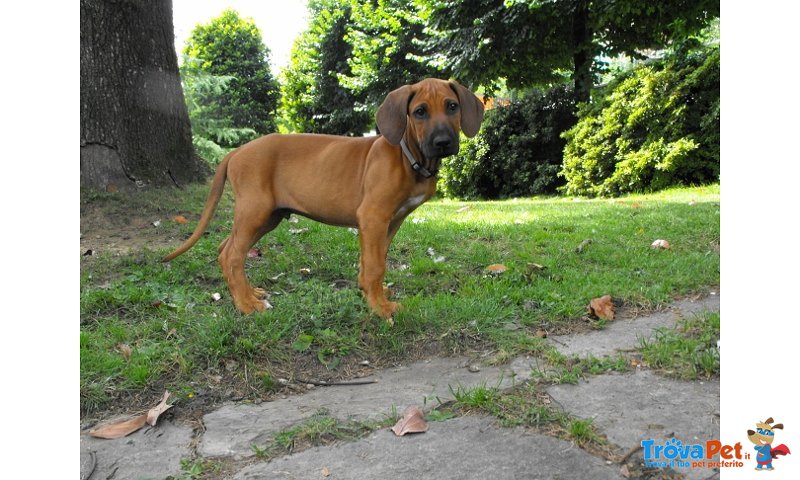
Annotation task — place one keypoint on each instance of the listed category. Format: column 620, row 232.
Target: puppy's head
column 430, row 113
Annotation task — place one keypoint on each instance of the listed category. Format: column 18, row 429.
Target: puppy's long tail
column 217, row 186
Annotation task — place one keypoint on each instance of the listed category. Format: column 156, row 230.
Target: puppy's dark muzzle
column 443, row 143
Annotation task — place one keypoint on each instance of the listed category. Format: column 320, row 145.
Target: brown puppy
column 372, row 183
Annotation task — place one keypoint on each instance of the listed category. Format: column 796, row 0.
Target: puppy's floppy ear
column 779, row 426
column 391, row 115
column 471, row 109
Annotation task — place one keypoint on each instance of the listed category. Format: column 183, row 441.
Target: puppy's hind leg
column 250, row 222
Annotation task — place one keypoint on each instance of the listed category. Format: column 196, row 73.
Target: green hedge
column 518, row 151
column 652, row 127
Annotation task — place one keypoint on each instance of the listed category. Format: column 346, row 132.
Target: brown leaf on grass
column 580, row 248
column 125, row 350
column 120, row 429
column 325, row 472
column 180, row 219
column 541, row 333
column 660, row 244
column 602, row 308
column 155, row 412
column 636, row 205
column 412, row 422
column 496, row 268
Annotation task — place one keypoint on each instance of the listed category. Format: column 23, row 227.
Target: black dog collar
column 416, row 166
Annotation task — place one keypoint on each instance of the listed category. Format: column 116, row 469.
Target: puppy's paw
column 386, row 310
column 252, row 304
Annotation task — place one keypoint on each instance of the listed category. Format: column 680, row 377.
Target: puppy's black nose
column 442, row 141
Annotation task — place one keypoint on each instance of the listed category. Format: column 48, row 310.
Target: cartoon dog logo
column 763, row 438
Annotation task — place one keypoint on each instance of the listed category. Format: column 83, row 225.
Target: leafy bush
column 518, row 151
column 652, row 127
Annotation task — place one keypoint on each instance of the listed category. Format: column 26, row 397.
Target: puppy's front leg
column 372, row 234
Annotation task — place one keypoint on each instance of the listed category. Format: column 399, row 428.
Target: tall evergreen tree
column 313, row 99
column 232, row 46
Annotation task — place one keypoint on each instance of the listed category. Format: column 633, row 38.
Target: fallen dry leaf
column 535, row 267
column 496, row 268
column 541, row 333
column 180, row 219
column 660, row 244
column 636, row 205
column 602, row 308
column 216, row 297
column 580, row 248
column 120, row 429
column 111, row 188
column 126, row 427
column 305, row 271
column 155, row 412
column 125, row 350
column 325, row 472
column 156, row 223
column 412, row 422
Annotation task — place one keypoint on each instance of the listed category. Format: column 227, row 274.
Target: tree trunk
column 583, row 55
column 135, row 128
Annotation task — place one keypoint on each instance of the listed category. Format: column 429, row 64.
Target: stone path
column 626, row 408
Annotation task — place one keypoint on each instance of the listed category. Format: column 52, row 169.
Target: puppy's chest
column 410, row 204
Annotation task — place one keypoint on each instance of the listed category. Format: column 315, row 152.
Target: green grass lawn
column 183, row 340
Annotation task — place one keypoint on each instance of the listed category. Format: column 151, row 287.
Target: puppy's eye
column 419, row 112
column 452, row 106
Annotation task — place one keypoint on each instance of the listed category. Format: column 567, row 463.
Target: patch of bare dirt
column 101, row 233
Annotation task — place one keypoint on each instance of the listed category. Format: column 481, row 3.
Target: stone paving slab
column 232, row 429
column 625, row 407
column 465, row 447
column 627, row 332
column 629, row 408
column 150, row 453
